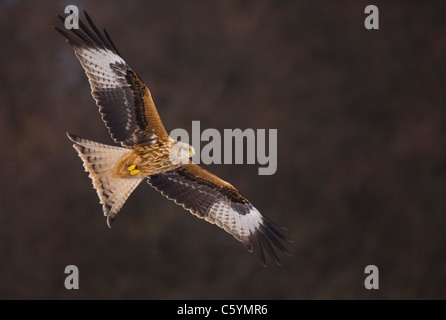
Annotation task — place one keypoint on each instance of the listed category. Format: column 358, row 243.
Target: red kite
column 147, row 151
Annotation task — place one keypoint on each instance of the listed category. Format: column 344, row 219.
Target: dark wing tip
column 267, row 245
column 273, row 227
column 267, row 237
column 87, row 36
column 62, row 32
column 86, row 14
column 258, row 250
column 111, row 42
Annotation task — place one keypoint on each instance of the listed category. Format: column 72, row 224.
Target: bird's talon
column 132, row 169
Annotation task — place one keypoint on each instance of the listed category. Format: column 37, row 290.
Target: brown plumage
column 148, row 160
column 147, row 151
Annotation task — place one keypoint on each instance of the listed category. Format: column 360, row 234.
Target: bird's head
column 181, row 152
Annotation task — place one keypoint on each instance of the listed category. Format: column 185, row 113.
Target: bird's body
column 147, row 160
column 147, row 151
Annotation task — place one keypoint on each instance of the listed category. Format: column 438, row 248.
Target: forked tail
column 99, row 160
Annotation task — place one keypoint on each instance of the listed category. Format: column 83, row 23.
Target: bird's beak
column 191, row 153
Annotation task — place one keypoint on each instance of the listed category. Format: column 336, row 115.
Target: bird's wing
column 210, row 198
column 124, row 102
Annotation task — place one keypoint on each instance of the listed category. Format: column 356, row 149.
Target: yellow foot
column 132, row 169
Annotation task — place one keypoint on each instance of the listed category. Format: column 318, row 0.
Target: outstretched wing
column 210, row 198
column 124, row 102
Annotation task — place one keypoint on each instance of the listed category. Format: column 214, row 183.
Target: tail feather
column 99, row 160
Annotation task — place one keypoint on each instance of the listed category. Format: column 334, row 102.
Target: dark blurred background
column 361, row 119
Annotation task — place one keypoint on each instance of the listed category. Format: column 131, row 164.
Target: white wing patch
column 96, row 63
column 240, row 226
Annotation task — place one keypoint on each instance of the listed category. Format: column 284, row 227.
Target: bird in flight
column 147, row 151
